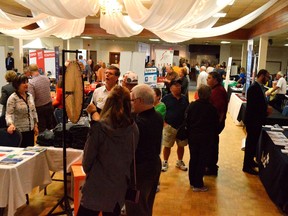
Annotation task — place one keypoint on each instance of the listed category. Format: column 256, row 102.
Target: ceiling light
column 219, row 15
column 154, row 39
column 285, row 44
column 86, row 37
column 225, row 42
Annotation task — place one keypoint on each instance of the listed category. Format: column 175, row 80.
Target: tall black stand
column 64, row 201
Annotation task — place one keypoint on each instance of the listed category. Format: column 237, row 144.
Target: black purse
column 132, row 193
column 182, row 132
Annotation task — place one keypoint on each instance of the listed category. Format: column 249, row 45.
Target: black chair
column 58, row 114
column 12, row 140
column 2, row 121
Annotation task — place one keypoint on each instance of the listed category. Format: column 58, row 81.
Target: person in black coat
column 255, row 115
column 9, row 61
column 7, row 90
column 202, row 125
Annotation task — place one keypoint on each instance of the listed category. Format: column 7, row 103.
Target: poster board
column 163, row 57
column 150, row 76
column 45, row 59
column 227, row 79
column 133, row 61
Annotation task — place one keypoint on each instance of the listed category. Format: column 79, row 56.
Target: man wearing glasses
column 256, row 111
column 100, row 94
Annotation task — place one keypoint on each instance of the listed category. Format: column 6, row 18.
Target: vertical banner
column 45, row 61
column 40, row 60
column 163, row 57
column 125, row 59
column 228, row 73
column 49, row 63
column 150, row 76
column 32, row 57
column 254, row 67
column 138, row 65
column 57, row 62
column 249, row 65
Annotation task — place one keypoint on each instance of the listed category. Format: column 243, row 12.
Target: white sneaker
column 181, row 165
column 202, row 189
column 164, row 166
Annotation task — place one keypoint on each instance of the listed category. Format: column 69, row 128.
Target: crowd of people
column 131, row 123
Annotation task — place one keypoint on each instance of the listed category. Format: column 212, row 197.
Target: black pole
column 67, row 208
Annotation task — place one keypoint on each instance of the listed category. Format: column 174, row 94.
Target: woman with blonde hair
column 108, row 155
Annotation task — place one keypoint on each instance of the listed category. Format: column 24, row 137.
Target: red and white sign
column 45, row 59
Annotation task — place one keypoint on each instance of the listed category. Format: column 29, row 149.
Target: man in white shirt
column 202, row 77
column 280, row 90
column 100, row 95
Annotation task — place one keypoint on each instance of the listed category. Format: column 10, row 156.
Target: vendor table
column 20, row 171
column 273, row 170
column 233, row 89
column 235, row 103
column 274, row 118
column 55, row 158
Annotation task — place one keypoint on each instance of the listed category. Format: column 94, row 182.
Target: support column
column 244, row 55
column 263, row 47
column 66, row 46
column 18, row 54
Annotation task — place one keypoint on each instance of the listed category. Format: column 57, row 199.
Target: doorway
column 114, row 57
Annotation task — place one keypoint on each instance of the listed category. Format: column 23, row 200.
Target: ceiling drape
column 173, row 21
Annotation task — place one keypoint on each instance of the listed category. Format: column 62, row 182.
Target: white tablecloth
column 234, row 107
column 55, row 158
column 19, row 179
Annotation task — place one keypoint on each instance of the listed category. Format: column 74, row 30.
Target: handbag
column 132, row 193
column 182, row 132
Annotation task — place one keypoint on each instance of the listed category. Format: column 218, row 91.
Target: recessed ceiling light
column 86, row 37
column 154, row 39
column 219, row 15
column 225, row 42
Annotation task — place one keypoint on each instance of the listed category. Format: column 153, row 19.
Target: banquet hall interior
column 262, row 23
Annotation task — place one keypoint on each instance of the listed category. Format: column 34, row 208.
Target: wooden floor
column 231, row 193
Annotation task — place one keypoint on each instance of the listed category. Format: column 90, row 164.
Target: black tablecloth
column 273, row 170
column 274, row 118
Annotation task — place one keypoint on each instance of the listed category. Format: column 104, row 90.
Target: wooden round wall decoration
column 74, row 92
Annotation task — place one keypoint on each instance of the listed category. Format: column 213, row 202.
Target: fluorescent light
column 154, row 39
column 225, row 42
column 86, row 37
column 285, row 44
column 219, row 15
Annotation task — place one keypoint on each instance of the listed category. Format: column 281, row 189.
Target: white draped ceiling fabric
column 172, row 21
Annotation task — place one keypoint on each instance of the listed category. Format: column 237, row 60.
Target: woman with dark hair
column 200, row 114
column 108, row 155
column 21, row 112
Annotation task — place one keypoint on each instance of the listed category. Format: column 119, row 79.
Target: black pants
column 148, row 175
column 45, row 115
column 214, row 153
column 27, row 139
column 277, row 102
column 87, row 212
column 199, row 153
column 253, row 134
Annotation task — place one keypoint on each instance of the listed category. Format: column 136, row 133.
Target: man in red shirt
column 219, row 100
